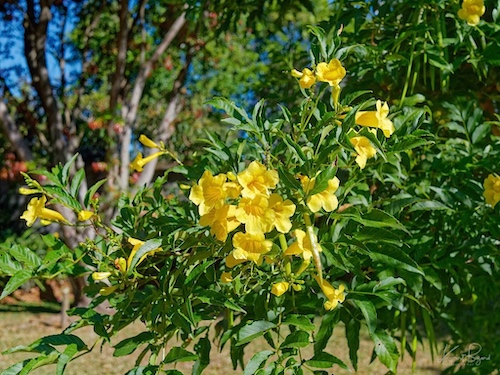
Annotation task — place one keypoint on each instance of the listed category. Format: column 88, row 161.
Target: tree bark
column 13, row 134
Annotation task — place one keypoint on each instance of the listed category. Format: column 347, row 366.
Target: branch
column 13, row 134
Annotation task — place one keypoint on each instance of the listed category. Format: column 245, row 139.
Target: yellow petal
column 226, row 277
column 100, row 275
column 280, row 288
column 85, row 215
column 147, row 142
column 26, row 191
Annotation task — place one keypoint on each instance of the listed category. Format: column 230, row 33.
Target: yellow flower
column 471, row 11
column 280, row 288
column 364, row 149
column 85, row 215
column 283, row 210
column 106, row 291
column 255, row 214
column 100, row 275
column 147, row 142
column 492, row 189
column 256, row 179
column 306, row 78
column 136, row 245
column 325, row 199
column 333, row 72
column 26, row 191
column 221, row 220
column 121, row 264
column 302, row 246
column 209, row 193
column 36, row 209
column 376, row 119
column 334, row 296
column 139, row 162
column 226, row 277
column 248, row 247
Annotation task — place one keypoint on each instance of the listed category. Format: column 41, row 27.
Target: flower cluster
column 36, row 210
column 332, row 73
column 226, row 201
column 492, row 189
column 471, row 11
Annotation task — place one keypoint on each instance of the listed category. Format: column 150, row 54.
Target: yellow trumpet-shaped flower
column 248, row 247
column 147, row 142
column 36, row 209
column 325, row 199
column 256, row 214
column 306, row 78
column 334, row 296
column 226, row 277
column 222, row 221
column 492, row 189
column 27, row 191
column 85, row 215
column 471, row 11
column 376, row 119
column 302, row 246
column 256, row 179
column 364, row 149
column 121, row 264
column 280, row 288
column 283, row 211
column 333, row 72
column 139, row 161
column 136, row 246
column 100, row 275
column 106, row 291
column 209, row 193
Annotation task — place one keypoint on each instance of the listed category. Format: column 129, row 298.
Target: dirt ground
column 22, row 328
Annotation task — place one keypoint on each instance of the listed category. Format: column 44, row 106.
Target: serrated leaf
column 386, row 349
column 16, row 280
column 257, row 361
column 388, row 282
column 325, row 360
column 428, row 206
column 92, row 190
column 7, row 266
column 37, row 362
column 368, row 310
column 394, row 257
column 297, row 339
column 325, row 330
column 65, row 170
column 197, row 271
column 322, row 179
column 299, row 321
column 352, row 334
column 178, row 354
column 65, row 357
column 150, row 370
column 146, row 247
column 129, row 345
column 202, row 348
column 253, row 330
column 77, row 182
column 25, row 255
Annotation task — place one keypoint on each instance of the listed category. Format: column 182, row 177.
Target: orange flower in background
column 333, row 72
column 492, row 189
column 306, row 78
column 256, row 179
column 376, row 119
column 471, row 11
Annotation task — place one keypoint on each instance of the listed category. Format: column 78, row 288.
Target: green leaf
column 178, row 354
column 129, row 345
column 288, row 179
column 257, row 361
column 394, row 257
column 65, row 170
column 37, row 362
column 65, row 357
column 92, row 190
column 352, row 334
column 63, row 339
column 297, row 339
column 150, row 370
column 386, row 349
column 16, row 280
column 77, row 182
column 322, row 179
column 380, row 219
column 202, row 348
column 25, row 255
column 197, row 271
column 325, row 330
column 7, row 266
column 368, row 310
column 410, row 142
column 428, row 206
column 325, row 360
column 253, row 330
column 299, row 321
column 14, row 369
column 388, row 282
column 148, row 246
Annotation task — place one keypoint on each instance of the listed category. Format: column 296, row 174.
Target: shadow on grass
column 44, row 307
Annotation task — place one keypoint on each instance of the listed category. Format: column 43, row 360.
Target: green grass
column 22, row 328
